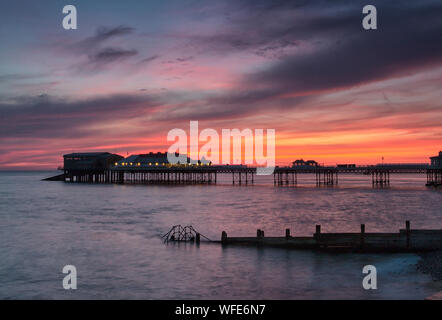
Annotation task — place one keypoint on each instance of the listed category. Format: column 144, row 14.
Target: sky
column 133, row 70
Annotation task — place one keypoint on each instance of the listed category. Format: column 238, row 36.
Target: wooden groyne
column 406, row 240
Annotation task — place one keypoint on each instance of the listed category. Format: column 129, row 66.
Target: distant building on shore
column 436, row 161
column 90, row 160
column 301, row 162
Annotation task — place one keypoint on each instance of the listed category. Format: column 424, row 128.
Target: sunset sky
column 133, row 70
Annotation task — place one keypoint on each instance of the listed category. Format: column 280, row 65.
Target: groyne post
column 318, row 229
column 223, row 236
column 407, row 230
column 362, row 235
column 287, row 233
column 316, row 235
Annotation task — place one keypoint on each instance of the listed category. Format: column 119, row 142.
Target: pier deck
column 139, row 174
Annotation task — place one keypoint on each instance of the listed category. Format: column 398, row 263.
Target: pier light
column 156, row 163
column 131, row 163
column 138, row 164
column 150, row 163
column 116, row 163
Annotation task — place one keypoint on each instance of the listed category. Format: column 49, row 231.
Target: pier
column 321, row 176
column 327, row 176
column 153, row 168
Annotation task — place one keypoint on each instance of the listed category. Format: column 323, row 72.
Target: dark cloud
column 233, row 105
column 184, row 59
column 317, row 46
column 99, row 54
column 101, row 35
column 397, row 48
column 149, row 59
column 312, row 47
column 104, row 58
column 179, row 60
column 46, row 116
column 19, row 77
column 270, row 28
column 108, row 55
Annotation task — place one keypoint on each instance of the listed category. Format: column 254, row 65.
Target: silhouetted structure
column 99, row 167
column 158, row 159
column 436, row 161
column 346, row 165
column 434, row 174
column 301, row 162
column 90, row 160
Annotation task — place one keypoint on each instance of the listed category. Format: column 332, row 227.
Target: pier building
column 434, row 173
column 308, row 163
column 151, row 159
column 436, row 161
column 90, row 160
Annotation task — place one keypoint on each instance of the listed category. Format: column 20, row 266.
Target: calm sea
column 112, row 234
